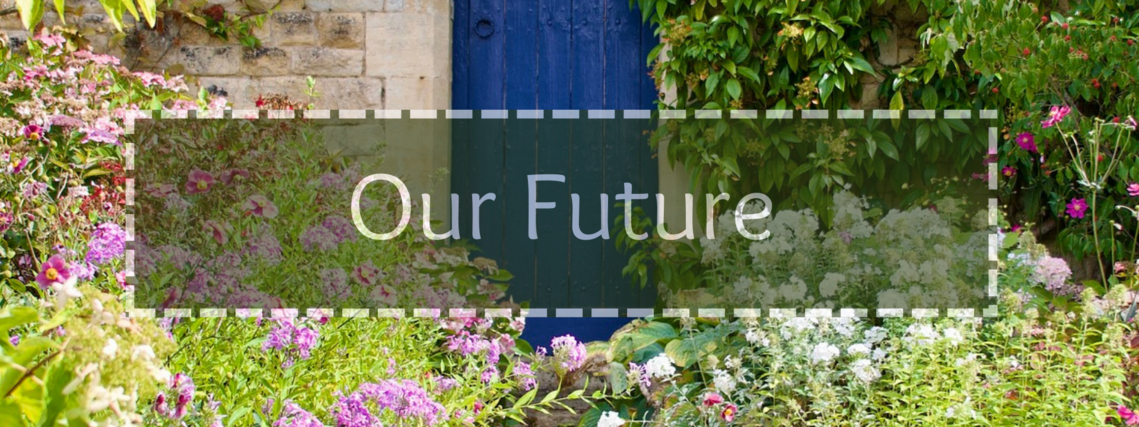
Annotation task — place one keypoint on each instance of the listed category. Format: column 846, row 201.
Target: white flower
column 144, row 352
column 858, row 349
column 723, row 381
column 752, row 336
column 733, row 362
column 968, row 358
column 65, row 292
column 844, row 326
column 865, row 370
column 953, row 335
column 610, row 419
column 660, row 366
column 1013, row 363
column 799, row 324
column 794, row 290
column 879, row 354
column 874, row 335
column 829, row 286
column 824, row 352
column 111, row 348
column 921, row 334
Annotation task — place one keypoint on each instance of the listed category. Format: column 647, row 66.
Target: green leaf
column 922, row 135
column 31, row 12
column 734, row 88
column 860, row 64
column 683, row 352
column 60, row 10
column 896, row 103
column 525, row 399
column 618, row 377
column 710, row 84
column 888, row 149
column 748, row 72
column 149, row 10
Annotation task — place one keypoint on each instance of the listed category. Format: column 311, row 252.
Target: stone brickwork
column 364, row 54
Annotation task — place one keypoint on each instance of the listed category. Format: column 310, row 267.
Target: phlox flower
column 824, row 352
column 199, row 181
column 610, row 419
column 385, row 295
column 569, row 355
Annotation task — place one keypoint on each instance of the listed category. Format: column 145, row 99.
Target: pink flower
column 199, row 182
column 1077, row 207
column 1133, row 189
column 713, row 399
column 54, row 271
column 729, row 412
column 33, row 132
column 1027, row 142
column 1128, row 416
column 18, row 166
column 385, row 295
column 160, row 191
column 366, row 273
column 258, row 205
column 217, row 231
column 51, row 39
column 1008, row 171
column 1130, row 123
column 228, row 176
column 1055, row 116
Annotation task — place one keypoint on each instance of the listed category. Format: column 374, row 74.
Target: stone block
column 238, row 90
column 266, row 61
column 294, row 29
column 350, row 93
column 290, row 86
column 320, row 61
column 418, row 93
column 408, row 44
column 210, row 60
column 419, row 6
column 345, row 5
column 341, row 30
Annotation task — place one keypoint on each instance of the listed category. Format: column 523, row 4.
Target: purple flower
column 294, row 340
column 34, row 189
column 199, row 181
column 1077, row 207
column 442, row 384
column 403, row 398
column 525, row 375
column 54, row 271
column 1132, row 190
column 489, row 374
column 99, row 135
column 1054, row 273
column 569, row 355
column 1027, row 142
column 267, row 247
column 318, row 238
column 108, row 242
column 6, row 221
column 335, row 283
column 342, row 227
column 295, row 416
column 1055, row 116
column 14, row 340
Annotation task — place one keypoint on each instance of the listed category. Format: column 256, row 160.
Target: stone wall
column 364, row 54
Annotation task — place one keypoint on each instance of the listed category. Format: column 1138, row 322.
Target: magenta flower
column 1130, row 123
column 18, row 166
column 366, row 273
column 1008, row 171
column 713, row 399
column 258, row 205
column 228, row 176
column 199, row 181
column 1077, row 207
column 1128, row 416
column 729, row 412
column 54, row 271
column 1133, row 189
column 1055, row 116
column 217, row 231
column 568, row 353
column 1027, row 142
column 33, row 132
column 108, row 242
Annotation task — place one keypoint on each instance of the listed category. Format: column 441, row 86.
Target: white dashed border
column 994, row 243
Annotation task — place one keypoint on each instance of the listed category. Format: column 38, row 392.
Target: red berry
column 1115, row 119
column 1095, row 82
column 996, row 90
column 1112, row 38
column 1130, row 42
column 1027, row 52
column 1067, row 38
column 1065, row 25
column 1044, row 19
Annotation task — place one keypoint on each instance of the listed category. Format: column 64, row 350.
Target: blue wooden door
column 554, row 54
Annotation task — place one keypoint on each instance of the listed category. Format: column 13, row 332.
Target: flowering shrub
column 913, row 258
column 71, row 356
